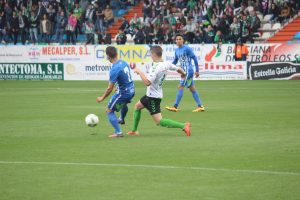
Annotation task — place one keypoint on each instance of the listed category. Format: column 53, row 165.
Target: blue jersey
column 185, row 55
column 120, row 75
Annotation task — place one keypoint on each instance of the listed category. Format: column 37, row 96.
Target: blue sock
column 178, row 98
column 197, row 98
column 124, row 111
column 114, row 121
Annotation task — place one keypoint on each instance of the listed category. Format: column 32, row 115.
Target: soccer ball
column 91, row 120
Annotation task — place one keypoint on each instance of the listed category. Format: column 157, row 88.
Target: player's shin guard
column 136, row 119
column 197, row 98
column 114, row 121
column 171, row 124
column 178, row 98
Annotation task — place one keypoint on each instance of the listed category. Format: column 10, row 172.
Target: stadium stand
column 148, row 21
column 288, row 32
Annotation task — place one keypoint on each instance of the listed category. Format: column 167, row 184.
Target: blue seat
column 297, row 36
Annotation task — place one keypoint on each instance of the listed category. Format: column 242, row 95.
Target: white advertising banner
column 274, row 52
column 223, row 71
column 47, row 53
column 86, row 71
column 89, row 62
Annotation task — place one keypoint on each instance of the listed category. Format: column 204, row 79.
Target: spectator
column 99, row 26
column 285, row 12
column 223, row 25
column 274, row 11
column 124, row 4
column 218, row 11
column 180, row 4
column 23, row 25
column 189, row 30
column 121, row 37
column 3, row 34
column 182, row 19
column 254, row 22
column 147, row 9
column 41, row 10
column 108, row 16
column 264, row 6
column 198, row 39
column 89, row 13
column 51, row 13
column 139, row 36
column 60, row 26
column 135, row 22
column 209, row 35
column 218, row 37
column 78, row 12
column 70, row 28
column 89, row 31
column 218, row 40
column 106, row 38
column 191, row 5
column 25, row 11
column 241, row 51
column 172, row 19
column 125, row 25
column 149, row 33
column 45, row 29
column 15, row 27
column 235, row 30
column 33, row 27
column 244, row 24
column 157, row 8
column 168, row 36
column 214, row 20
column 159, row 34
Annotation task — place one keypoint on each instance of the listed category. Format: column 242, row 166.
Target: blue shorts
column 188, row 81
column 118, row 100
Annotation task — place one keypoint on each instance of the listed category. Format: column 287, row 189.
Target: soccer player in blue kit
column 184, row 55
column 119, row 75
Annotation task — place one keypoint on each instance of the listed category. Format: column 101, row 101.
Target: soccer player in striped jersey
column 119, row 75
column 185, row 55
column 151, row 101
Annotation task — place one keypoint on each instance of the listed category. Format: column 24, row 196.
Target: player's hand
column 196, row 74
column 183, row 76
column 137, row 70
column 99, row 99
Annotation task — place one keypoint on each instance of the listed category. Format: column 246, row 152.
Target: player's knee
column 192, row 88
column 108, row 110
column 138, row 106
column 157, row 122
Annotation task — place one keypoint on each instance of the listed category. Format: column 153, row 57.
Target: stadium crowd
column 202, row 21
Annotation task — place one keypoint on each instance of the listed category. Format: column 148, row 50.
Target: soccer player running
column 185, row 54
column 119, row 75
column 151, row 101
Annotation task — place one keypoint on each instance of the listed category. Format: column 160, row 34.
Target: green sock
column 136, row 119
column 171, row 124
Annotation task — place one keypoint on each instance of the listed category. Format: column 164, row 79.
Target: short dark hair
column 111, row 51
column 179, row 35
column 157, row 50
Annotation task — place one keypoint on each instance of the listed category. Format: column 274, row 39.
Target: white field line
column 157, row 167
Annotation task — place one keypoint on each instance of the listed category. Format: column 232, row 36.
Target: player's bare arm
column 181, row 72
column 107, row 92
column 138, row 71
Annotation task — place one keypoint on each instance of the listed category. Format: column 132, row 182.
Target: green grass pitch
column 245, row 146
